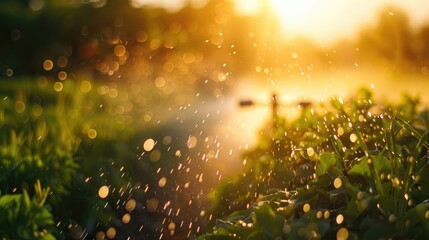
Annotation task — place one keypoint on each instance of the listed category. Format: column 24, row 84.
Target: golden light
column 299, row 11
column 342, row 234
column 337, row 183
column 299, row 17
column 126, row 218
column 323, row 21
column 92, row 133
column 103, row 191
column 131, row 205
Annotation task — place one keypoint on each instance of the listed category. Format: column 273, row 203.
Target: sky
column 324, row 21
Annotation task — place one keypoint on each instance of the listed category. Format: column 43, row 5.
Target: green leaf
column 267, row 220
column 381, row 165
column 416, row 217
column 404, row 124
column 379, row 230
column 327, row 161
column 48, row 237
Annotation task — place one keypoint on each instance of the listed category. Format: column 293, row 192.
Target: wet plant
column 368, row 178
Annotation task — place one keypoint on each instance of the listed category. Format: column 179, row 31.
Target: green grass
column 48, row 141
column 351, row 169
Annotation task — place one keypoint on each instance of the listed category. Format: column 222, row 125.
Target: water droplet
column 62, row 75
column 306, row 208
column 337, row 182
column 162, row 182
column 85, row 86
column 130, row 205
column 171, row 226
column 339, row 219
column 100, row 235
column 48, row 65
column 340, row 131
column 342, row 234
column 148, row 144
column 152, row 205
column 126, row 218
column 353, row 138
column 119, row 50
column 62, row 61
column 359, row 195
column 286, row 229
column 19, row 106
column 155, row 155
column 310, row 151
column 92, row 133
column 58, row 86
column 103, row 191
column 192, row 142
column 111, row 233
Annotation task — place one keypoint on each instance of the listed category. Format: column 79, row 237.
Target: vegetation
column 67, row 144
column 356, row 170
column 84, row 85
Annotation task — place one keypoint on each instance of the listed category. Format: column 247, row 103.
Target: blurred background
column 149, row 90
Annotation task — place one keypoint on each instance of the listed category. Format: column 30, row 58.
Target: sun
column 300, row 17
column 294, row 11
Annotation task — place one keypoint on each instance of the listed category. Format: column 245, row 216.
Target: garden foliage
column 47, row 159
column 347, row 170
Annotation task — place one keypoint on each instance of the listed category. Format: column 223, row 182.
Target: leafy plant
column 24, row 218
column 368, row 180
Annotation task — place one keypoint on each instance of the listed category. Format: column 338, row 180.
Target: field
column 351, row 168
column 204, row 121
